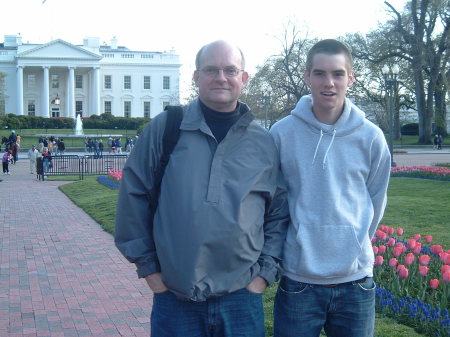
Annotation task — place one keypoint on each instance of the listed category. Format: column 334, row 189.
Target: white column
column 71, row 93
column 19, row 90
column 95, row 92
column 45, row 106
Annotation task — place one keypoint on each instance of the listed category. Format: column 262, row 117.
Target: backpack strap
column 170, row 139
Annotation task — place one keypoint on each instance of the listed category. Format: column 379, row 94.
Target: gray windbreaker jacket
column 221, row 220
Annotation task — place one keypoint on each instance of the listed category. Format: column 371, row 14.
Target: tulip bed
column 112, row 180
column 413, row 279
column 424, row 172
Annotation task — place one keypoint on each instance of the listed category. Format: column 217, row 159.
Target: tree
column 420, row 37
column 280, row 77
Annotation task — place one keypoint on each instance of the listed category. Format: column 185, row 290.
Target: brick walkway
column 60, row 273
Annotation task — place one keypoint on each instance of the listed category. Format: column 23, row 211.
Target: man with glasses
column 217, row 234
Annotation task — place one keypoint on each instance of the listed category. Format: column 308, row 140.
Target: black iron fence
column 79, row 165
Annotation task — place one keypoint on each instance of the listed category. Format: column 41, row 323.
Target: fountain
column 79, row 126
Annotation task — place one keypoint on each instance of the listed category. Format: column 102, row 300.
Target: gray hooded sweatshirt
column 337, row 177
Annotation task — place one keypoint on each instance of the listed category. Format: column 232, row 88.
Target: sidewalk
column 60, row 273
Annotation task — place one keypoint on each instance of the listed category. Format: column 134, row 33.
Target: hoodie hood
column 351, row 119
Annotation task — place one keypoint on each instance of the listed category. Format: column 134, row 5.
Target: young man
column 216, row 238
column 336, row 164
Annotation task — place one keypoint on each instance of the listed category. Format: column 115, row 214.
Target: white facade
column 89, row 79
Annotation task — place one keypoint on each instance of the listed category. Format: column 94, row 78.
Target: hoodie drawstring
column 328, row 149
column 317, row 147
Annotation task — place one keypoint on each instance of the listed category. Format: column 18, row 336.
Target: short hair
column 330, row 47
column 202, row 50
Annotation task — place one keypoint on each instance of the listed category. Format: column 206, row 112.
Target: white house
column 59, row 79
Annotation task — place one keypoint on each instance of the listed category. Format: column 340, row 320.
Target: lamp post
column 266, row 103
column 390, row 81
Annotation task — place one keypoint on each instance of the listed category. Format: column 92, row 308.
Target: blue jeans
column 346, row 310
column 239, row 314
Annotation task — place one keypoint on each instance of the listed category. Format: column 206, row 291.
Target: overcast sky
column 186, row 25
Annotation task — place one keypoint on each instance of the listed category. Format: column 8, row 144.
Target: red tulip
column 424, row 260
column 423, row 271
column 391, row 242
column 375, row 250
column 436, row 249
column 393, row 262
column 409, row 259
column 397, row 251
column 400, row 231
column 374, row 239
column 445, row 258
column 381, row 249
column 434, row 283
column 446, row 276
column 417, row 237
column 411, row 243
column 428, row 239
column 381, row 235
column 403, row 273
column 417, row 248
column 379, row 260
column 390, row 230
column 445, row 268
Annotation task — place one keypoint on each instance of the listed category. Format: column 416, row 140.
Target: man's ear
column 245, row 78
column 306, row 78
column 195, row 77
column 351, row 79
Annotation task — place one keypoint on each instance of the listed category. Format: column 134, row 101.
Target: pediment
column 58, row 49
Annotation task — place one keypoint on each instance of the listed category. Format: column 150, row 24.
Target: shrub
column 411, row 129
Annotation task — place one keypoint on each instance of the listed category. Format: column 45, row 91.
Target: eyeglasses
column 229, row 72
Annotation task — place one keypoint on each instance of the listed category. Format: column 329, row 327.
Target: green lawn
column 417, row 205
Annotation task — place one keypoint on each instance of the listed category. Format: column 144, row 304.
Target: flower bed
column 424, row 172
column 112, row 180
column 413, row 280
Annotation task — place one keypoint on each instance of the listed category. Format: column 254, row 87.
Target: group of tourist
column 239, row 208
column 54, row 145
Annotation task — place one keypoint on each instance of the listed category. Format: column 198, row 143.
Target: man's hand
column 155, row 283
column 258, row 285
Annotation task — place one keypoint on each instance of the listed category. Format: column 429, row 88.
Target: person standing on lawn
column 336, row 164
column 216, row 239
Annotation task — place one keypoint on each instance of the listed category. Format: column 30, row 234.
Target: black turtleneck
column 220, row 122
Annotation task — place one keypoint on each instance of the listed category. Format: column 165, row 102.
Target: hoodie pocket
column 330, row 251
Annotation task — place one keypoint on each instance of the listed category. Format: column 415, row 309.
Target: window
column 147, row 82
column 55, row 81
column 108, row 82
column 2, row 107
column 107, row 107
column 79, row 108
column 146, row 109
column 127, row 109
column 55, row 112
column 166, row 82
column 165, row 104
column 79, row 81
column 31, row 81
column 127, row 82
column 31, row 108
